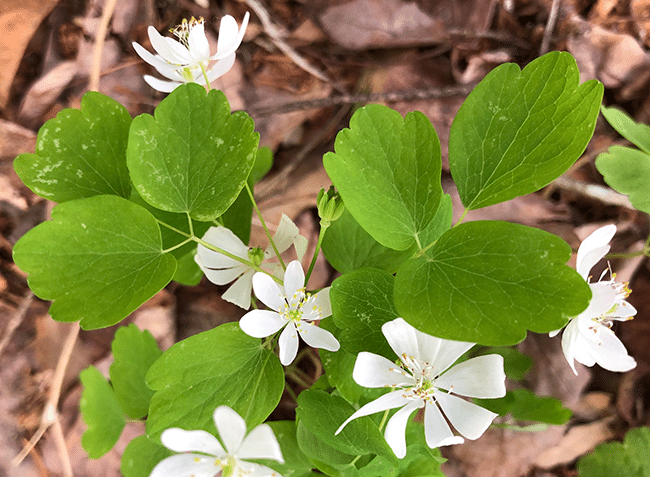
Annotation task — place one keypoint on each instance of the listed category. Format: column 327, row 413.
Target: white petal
column 186, row 465
column 224, row 239
column 231, row 427
column 169, row 49
column 285, row 234
column 255, row 470
column 261, row 323
column 623, row 311
column 395, row 433
column 261, row 443
column 180, row 440
column 480, row 377
column 401, row 337
column 240, row 291
column 436, row 430
column 593, row 249
column 604, row 347
column 553, row 334
column 222, row 276
column 288, row 343
column 448, row 352
column 569, row 341
column 603, row 297
column 468, row 418
column 388, row 401
column 219, row 69
column 294, row 278
column 318, row 337
column 153, row 60
column 374, row 371
column 160, row 85
column 322, row 300
column 300, row 244
column 268, row 291
column 198, row 43
column 230, row 37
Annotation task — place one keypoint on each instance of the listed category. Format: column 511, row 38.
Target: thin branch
column 109, row 8
column 550, row 27
column 16, row 320
column 603, row 194
column 388, row 97
column 276, row 35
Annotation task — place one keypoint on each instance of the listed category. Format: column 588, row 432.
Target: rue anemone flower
column 588, row 337
column 204, row 456
column 295, row 310
column 220, row 269
column 424, row 377
column 187, row 59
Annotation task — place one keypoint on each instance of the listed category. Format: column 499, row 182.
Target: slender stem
column 639, row 253
column 205, row 75
column 461, row 218
column 191, row 225
column 179, row 245
column 290, row 391
column 323, row 229
column 290, row 373
column 178, row 231
column 383, row 419
column 268, row 234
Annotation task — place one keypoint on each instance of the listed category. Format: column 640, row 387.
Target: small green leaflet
column 296, row 463
column 141, row 456
column 629, row 459
column 194, row 156
column 323, row 413
column 98, row 259
column 488, row 282
column 134, row 352
column 101, row 413
column 625, row 169
column 222, row 366
column 387, row 169
column 81, row 153
column 361, row 304
column 520, row 130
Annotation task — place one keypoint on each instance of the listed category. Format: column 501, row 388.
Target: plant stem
column 290, row 391
column 461, row 218
column 383, row 419
column 179, row 245
column 205, row 75
column 268, row 234
column 323, row 229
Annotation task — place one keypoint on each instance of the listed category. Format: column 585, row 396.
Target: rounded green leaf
column 637, row 133
column 141, row 456
column 219, row 366
column 194, row 156
column 387, row 169
column 520, row 130
column 101, row 413
column 98, row 259
column 488, row 282
column 80, row 153
column 627, row 171
column 629, row 458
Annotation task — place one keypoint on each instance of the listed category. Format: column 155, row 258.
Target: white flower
column 187, row 60
column 221, row 270
column 204, row 456
column 588, row 338
column 424, row 381
column 296, row 309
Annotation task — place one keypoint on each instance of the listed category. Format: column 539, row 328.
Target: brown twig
column 107, row 14
column 388, row 97
column 550, row 27
column 16, row 319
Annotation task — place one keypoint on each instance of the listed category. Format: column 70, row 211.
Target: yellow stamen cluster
column 182, row 31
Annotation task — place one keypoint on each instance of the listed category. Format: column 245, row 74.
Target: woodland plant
column 423, row 315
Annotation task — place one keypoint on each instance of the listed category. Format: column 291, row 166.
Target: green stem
column 323, row 229
column 179, row 245
column 189, row 221
column 290, row 391
column 268, row 234
column 205, row 75
column 383, row 419
column 627, row 255
column 290, row 373
column 178, row 231
column 461, row 218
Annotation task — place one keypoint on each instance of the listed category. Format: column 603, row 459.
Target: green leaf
column 219, row 366
column 323, row 413
column 348, row 247
column 629, row 459
column 328, row 459
column 296, row 463
column 141, row 456
column 520, row 130
column 488, row 282
column 627, row 171
column 515, row 364
column 134, row 352
column 361, row 303
column 387, row 170
column 440, row 223
column 194, row 156
column 98, row 259
column 187, row 271
column 637, row 133
column 524, row 405
column 238, row 216
column 101, row 412
column 81, row 153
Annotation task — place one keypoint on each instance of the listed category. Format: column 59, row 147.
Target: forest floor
column 303, row 66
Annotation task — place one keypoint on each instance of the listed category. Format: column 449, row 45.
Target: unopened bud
column 330, row 206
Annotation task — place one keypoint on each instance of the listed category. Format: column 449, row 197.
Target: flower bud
column 330, row 206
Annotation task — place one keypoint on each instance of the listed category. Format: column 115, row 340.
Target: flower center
column 301, row 305
column 182, row 31
column 424, row 378
column 229, row 467
column 256, row 255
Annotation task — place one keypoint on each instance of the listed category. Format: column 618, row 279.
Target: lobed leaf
column 627, row 171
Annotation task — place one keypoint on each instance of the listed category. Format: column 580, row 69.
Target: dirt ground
column 303, row 66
